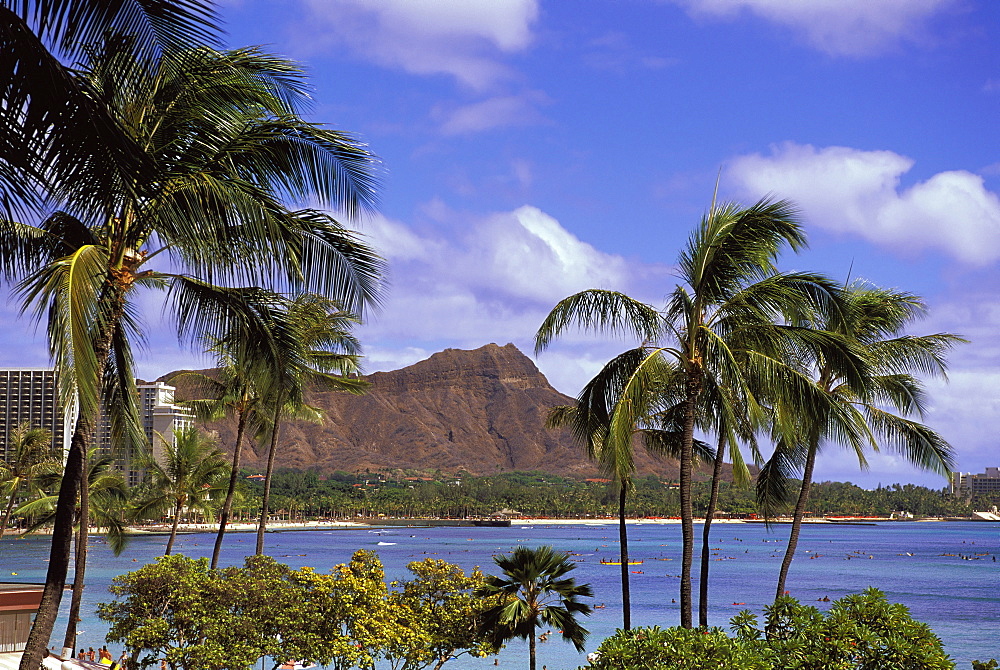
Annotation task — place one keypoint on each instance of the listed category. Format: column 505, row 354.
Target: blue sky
column 535, row 148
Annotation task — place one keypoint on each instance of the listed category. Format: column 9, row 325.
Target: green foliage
column 543, row 494
column 30, row 461
column 187, row 477
column 182, row 611
column 985, row 665
column 533, row 591
column 675, row 648
column 860, row 632
column 438, row 605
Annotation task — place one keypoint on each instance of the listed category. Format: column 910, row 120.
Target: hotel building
column 32, row 395
column 968, row 484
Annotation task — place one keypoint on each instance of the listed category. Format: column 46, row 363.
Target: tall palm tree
column 862, row 412
column 223, row 132
column 323, row 353
column 187, row 476
column 534, row 591
column 100, row 503
column 31, row 460
column 728, row 282
column 628, row 399
column 238, row 389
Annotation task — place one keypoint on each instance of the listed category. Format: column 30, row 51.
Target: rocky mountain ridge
column 482, row 411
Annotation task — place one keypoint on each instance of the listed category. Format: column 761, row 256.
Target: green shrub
column 675, row 648
column 860, row 632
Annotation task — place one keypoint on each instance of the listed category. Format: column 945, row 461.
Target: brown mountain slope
column 482, row 411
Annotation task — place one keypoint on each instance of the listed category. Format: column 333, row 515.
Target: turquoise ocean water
column 959, row 597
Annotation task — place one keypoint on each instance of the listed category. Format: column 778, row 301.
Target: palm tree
column 534, row 591
column 237, row 390
column 100, row 503
column 32, row 459
column 189, row 473
column 623, row 402
column 729, row 283
column 53, row 135
column 323, row 354
column 224, row 136
column 861, row 412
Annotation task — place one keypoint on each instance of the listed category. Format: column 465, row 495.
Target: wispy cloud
column 836, row 27
column 614, row 52
column 858, row 192
column 496, row 112
column 466, row 39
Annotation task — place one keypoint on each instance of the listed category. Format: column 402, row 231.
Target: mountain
column 482, row 411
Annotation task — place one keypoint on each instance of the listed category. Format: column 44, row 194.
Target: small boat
column 605, row 561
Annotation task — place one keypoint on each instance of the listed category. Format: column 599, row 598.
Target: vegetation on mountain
column 299, row 494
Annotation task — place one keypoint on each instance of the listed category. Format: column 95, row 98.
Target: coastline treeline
column 306, row 494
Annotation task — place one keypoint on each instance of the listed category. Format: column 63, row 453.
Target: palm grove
column 159, row 163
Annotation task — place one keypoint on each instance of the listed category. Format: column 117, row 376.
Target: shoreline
column 289, row 526
column 284, row 526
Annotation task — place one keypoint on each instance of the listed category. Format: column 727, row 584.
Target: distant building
column 160, row 417
column 18, row 606
column 31, row 395
column 968, row 484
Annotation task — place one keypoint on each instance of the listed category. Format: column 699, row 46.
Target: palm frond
column 600, row 311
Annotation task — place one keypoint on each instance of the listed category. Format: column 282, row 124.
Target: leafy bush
column 860, row 632
column 675, row 648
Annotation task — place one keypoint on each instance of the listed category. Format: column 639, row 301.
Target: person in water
column 105, row 656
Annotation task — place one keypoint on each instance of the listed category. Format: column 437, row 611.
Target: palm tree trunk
column 7, row 512
column 687, row 512
column 80, row 567
column 800, row 510
column 74, row 479
column 62, row 535
column 713, row 501
column 262, row 524
column 173, row 529
column 531, row 649
column 623, row 543
column 233, row 478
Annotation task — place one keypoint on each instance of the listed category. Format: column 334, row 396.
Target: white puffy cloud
column 491, row 279
column 462, row 38
column 839, row 27
column 528, row 254
column 859, row 192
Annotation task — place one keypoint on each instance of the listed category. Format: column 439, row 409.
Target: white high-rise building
column 160, row 417
column 32, row 395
